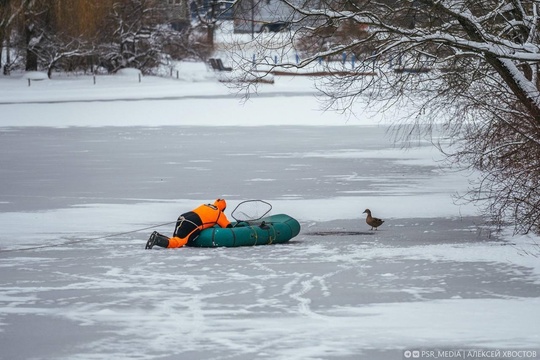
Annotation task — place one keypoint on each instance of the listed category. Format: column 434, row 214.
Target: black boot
column 157, row 239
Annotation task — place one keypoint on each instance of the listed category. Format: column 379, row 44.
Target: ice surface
column 83, row 167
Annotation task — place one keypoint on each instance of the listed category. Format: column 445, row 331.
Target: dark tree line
column 83, row 35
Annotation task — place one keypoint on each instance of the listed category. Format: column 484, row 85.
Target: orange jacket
column 203, row 217
column 211, row 215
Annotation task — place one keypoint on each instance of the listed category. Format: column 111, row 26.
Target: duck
column 372, row 221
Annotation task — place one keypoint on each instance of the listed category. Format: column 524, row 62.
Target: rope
column 181, row 219
column 84, row 240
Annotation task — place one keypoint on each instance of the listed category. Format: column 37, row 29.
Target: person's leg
column 176, row 242
column 187, row 227
column 163, row 241
column 186, row 224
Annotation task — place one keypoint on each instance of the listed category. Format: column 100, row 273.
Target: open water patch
column 338, row 233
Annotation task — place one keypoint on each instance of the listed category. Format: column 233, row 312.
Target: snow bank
column 129, row 72
column 35, row 76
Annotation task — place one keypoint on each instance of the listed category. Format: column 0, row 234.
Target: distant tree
column 80, row 18
column 208, row 13
column 470, row 66
column 188, row 43
column 9, row 10
column 76, row 34
column 48, row 31
column 59, row 51
column 73, row 35
column 134, row 35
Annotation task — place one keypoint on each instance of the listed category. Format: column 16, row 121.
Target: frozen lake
column 51, row 168
column 87, row 172
column 431, row 277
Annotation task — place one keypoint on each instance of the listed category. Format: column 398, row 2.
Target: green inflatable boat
column 274, row 229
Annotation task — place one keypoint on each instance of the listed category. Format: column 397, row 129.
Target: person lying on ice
column 189, row 225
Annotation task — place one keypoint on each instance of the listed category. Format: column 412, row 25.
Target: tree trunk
column 1, row 45
column 31, row 56
column 508, row 72
column 210, row 35
column 515, row 85
column 31, row 61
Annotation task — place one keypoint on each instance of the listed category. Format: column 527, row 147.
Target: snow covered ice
column 81, row 162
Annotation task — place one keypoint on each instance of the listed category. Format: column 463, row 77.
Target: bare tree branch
column 469, row 68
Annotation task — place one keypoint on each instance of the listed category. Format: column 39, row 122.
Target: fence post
column 29, row 82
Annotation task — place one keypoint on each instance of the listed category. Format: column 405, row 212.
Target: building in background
column 252, row 16
column 177, row 14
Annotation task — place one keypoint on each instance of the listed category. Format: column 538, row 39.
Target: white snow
column 130, row 72
column 35, row 75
